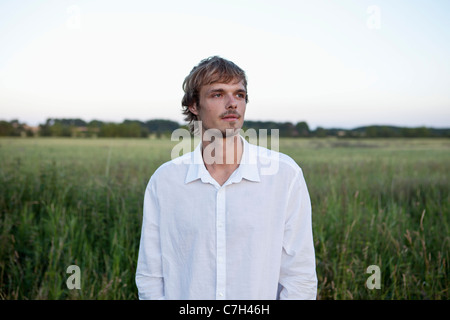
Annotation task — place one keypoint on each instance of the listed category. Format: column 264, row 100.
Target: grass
column 79, row 201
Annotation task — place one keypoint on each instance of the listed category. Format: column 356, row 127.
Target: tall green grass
column 79, row 201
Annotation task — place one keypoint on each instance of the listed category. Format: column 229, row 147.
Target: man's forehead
column 232, row 85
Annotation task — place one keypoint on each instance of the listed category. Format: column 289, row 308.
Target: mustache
column 229, row 113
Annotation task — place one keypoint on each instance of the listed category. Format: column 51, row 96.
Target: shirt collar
column 248, row 168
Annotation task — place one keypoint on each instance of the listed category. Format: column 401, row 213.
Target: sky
column 330, row 63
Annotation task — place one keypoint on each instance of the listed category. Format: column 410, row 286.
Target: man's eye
column 241, row 95
column 217, row 95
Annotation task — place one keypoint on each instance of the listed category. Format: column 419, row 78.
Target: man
column 216, row 225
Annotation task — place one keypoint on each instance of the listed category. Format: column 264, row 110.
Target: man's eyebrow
column 222, row 90
column 216, row 90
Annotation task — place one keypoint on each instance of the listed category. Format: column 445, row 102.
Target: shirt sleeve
column 298, row 279
column 149, row 273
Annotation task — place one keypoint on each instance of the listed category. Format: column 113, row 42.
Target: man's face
column 222, row 107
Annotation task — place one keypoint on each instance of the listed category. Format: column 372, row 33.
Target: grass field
column 79, row 202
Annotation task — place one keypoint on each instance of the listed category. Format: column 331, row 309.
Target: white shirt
column 250, row 238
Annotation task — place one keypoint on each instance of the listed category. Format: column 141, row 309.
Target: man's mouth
column 230, row 117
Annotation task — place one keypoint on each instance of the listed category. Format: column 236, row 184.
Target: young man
column 217, row 225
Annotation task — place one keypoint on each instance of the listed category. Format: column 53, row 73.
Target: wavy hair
column 210, row 70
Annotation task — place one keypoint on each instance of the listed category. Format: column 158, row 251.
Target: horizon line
column 335, row 127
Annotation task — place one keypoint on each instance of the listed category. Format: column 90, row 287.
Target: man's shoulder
column 173, row 168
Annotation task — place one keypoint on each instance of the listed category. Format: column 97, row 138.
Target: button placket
column 221, row 245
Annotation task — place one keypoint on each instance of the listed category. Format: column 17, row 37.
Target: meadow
column 68, row 201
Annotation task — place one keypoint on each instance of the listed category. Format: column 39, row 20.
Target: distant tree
column 302, row 129
column 284, row 128
column 6, row 128
column 143, row 130
column 44, row 129
column 423, row 132
column 161, row 126
column 287, row 129
column 14, row 128
column 130, row 130
column 158, row 127
column 387, row 132
column 320, row 132
column 95, row 124
column 71, row 122
column 93, row 128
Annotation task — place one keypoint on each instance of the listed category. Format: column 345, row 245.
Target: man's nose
column 231, row 102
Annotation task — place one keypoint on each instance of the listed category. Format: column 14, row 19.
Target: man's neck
column 222, row 156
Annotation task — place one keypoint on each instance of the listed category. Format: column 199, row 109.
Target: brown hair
column 210, row 70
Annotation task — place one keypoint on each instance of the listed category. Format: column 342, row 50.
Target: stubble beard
column 230, row 132
column 227, row 132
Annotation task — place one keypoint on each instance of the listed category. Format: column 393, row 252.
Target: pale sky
column 331, row 63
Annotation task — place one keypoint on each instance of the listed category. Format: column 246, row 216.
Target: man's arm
column 149, row 274
column 298, row 278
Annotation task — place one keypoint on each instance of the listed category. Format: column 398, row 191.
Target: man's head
column 215, row 92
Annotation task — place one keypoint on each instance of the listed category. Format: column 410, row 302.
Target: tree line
column 161, row 127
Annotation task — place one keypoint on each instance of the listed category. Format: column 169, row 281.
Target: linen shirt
column 250, row 238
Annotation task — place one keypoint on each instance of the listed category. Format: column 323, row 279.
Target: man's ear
column 193, row 108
